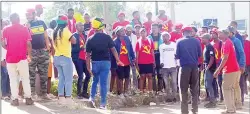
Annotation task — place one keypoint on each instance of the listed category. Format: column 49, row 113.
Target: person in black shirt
column 210, row 67
column 99, row 47
column 87, row 24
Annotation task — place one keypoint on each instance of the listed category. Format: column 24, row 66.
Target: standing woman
column 63, row 38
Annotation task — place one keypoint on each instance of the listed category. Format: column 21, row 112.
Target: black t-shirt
column 209, row 52
column 87, row 26
column 99, row 46
column 37, row 28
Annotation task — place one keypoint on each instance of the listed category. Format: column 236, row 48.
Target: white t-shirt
column 167, row 55
column 50, row 32
column 3, row 54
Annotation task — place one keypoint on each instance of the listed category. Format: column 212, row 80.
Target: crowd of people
column 156, row 57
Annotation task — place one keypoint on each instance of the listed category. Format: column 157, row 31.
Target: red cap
column 30, row 11
column 214, row 30
column 38, row 6
column 187, row 29
column 120, row 14
column 179, row 26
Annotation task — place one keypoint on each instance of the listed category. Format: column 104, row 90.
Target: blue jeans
column 209, row 84
column 82, row 68
column 64, row 67
column 100, row 70
column 5, row 81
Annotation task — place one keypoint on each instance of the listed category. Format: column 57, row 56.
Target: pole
column 172, row 10
column 105, row 12
column 156, row 8
column 232, row 11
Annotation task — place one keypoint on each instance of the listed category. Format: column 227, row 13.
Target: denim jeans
column 81, row 68
column 209, row 84
column 65, row 70
column 100, row 70
column 5, row 82
column 166, row 73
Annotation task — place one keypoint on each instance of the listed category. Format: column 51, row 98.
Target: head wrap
column 62, row 19
column 97, row 24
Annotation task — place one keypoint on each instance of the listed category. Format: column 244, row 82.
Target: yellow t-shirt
column 63, row 45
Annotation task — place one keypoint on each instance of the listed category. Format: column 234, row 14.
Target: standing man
column 99, row 47
column 230, row 71
column 71, row 21
column 40, row 53
column 247, row 53
column 39, row 11
column 87, row 24
column 149, row 23
column 175, row 35
column 241, row 59
column 165, row 21
column 121, row 21
column 136, row 19
column 237, row 34
column 169, row 64
column 210, row 67
column 188, row 51
column 16, row 36
column 155, row 36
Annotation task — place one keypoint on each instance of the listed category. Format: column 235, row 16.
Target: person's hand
column 29, row 58
column 3, row 63
column 162, row 65
column 216, row 73
column 137, row 67
column 154, row 65
column 119, row 63
column 242, row 70
column 75, row 76
column 201, row 68
column 90, row 72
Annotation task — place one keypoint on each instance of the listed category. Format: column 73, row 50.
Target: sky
column 185, row 13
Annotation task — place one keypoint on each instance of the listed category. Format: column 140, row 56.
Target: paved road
column 53, row 108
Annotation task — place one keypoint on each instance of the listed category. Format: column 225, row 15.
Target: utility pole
column 156, row 8
column 172, row 10
column 105, row 12
column 232, row 11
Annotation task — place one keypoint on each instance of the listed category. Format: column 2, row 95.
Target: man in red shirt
column 121, row 21
column 175, row 35
column 136, row 19
column 147, row 25
column 247, row 53
column 145, row 60
column 165, row 21
column 71, row 20
column 16, row 36
column 230, row 71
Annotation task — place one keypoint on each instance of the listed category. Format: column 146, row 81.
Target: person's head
column 4, row 23
column 70, row 13
column 234, row 24
column 30, row 14
column 137, row 28
column 129, row 30
column 178, row 27
column 155, row 28
column 53, row 24
column 214, row 33
column 205, row 38
column 120, row 32
column 149, row 15
column 136, row 15
column 194, row 31
column 143, row 33
column 14, row 18
column 245, row 35
column 232, row 31
column 165, row 36
column 39, row 9
column 223, row 34
column 79, row 27
column 204, row 29
column 162, row 12
column 98, row 25
column 187, row 31
column 121, row 16
column 86, row 17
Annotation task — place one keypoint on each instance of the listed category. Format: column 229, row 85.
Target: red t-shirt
column 147, row 26
column 175, row 36
column 82, row 53
column 217, row 48
column 202, row 48
column 231, row 64
column 247, row 51
column 123, row 24
column 169, row 24
column 16, row 37
column 145, row 52
column 124, row 54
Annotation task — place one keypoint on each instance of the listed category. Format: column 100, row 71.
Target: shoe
column 160, row 93
column 45, row 97
column 85, row 95
column 29, row 101
column 15, row 102
column 169, row 100
column 210, row 105
column 51, row 96
column 238, row 106
column 228, row 112
column 221, row 102
column 92, row 103
column 62, row 101
column 103, row 107
column 6, row 98
column 79, row 97
column 174, row 100
column 36, row 98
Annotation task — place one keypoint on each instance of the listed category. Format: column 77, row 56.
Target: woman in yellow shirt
column 62, row 38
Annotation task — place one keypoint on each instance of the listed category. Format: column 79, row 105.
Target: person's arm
column 242, row 61
column 177, row 52
column 46, row 37
column 132, row 49
column 211, row 61
column 161, row 54
column 223, row 62
column 72, row 39
column 88, row 56
column 199, row 49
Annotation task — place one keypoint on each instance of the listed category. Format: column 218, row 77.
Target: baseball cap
column 118, row 28
column 179, row 26
column 187, row 28
column 129, row 28
column 142, row 29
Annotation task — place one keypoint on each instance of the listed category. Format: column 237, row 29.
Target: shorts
column 146, row 68
column 123, row 72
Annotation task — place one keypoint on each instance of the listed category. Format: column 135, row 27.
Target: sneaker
column 174, row 100
column 51, row 96
column 36, row 98
column 238, row 106
column 15, row 102
column 85, row 95
column 6, row 98
column 62, row 101
column 221, row 102
column 29, row 101
column 92, row 103
column 168, row 100
column 160, row 93
column 103, row 107
column 210, row 105
column 79, row 97
column 225, row 112
column 45, row 97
